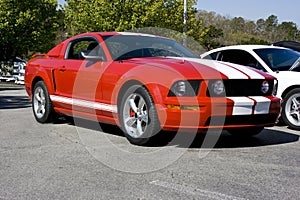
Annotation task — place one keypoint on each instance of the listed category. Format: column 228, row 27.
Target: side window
column 212, row 56
column 88, row 46
column 240, row 57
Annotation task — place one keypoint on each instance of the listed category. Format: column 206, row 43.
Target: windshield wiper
column 296, row 63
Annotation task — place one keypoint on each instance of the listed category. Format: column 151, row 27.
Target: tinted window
column 133, row 46
column 240, row 57
column 278, row 59
column 212, row 56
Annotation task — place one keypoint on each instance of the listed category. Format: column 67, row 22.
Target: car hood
column 196, row 68
column 287, row 76
column 286, row 79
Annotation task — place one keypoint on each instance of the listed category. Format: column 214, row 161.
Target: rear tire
column 41, row 104
column 291, row 109
column 138, row 115
column 245, row 132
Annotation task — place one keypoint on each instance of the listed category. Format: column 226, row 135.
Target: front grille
column 242, row 87
column 242, row 120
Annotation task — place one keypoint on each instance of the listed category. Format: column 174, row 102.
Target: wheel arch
column 43, row 77
column 124, row 87
column 287, row 90
column 153, row 89
column 35, row 80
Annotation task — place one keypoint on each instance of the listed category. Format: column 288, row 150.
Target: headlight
column 216, row 88
column 185, row 88
column 265, row 87
column 179, row 88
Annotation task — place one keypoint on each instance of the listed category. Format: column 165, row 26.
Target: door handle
column 62, row 69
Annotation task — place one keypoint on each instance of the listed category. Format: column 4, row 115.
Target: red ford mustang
column 146, row 83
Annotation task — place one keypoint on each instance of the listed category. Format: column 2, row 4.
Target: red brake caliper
column 132, row 113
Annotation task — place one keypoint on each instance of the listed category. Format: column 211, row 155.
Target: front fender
column 157, row 81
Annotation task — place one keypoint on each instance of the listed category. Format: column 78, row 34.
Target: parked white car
column 282, row 63
column 19, row 70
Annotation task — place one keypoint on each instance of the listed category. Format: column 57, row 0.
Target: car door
column 77, row 79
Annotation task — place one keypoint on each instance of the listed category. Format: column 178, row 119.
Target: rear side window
column 240, row 57
column 87, row 45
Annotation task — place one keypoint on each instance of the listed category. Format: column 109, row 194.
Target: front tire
column 138, row 115
column 41, row 104
column 291, row 109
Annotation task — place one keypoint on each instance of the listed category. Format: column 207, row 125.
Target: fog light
column 177, row 107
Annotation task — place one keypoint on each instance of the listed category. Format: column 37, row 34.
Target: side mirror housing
column 86, row 55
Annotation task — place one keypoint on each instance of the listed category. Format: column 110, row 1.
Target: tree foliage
column 208, row 37
column 26, row 26
column 37, row 25
column 237, row 30
column 106, row 15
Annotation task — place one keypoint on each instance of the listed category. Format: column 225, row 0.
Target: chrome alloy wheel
column 135, row 115
column 39, row 102
column 292, row 109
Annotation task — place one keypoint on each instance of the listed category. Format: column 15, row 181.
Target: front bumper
column 205, row 113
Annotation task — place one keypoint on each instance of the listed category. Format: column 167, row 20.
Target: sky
column 285, row 10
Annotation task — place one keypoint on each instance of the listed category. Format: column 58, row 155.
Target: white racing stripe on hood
column 234, row 72
column 253, row 74
column 230, row 72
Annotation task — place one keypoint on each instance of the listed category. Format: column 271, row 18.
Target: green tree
column 288, row 31
column 260, row 26
column 106, row 15
column 208, row 37
column 271, row 24
column 26, row 26
column 237, row 24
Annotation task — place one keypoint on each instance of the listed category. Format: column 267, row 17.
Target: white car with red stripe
column 282, row 63
column 146, row 83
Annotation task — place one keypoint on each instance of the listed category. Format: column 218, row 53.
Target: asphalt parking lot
column 77, row 160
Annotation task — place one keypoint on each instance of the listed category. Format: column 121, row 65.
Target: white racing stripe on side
column 242, row 105
column 228, row 71
column 253, row 74
column 84, row 103
column 262, row 105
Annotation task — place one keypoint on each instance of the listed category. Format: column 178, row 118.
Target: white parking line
column 195, row 191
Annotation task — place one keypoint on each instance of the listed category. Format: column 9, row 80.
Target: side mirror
column 86, row 55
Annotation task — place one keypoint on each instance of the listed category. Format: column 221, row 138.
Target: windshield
column 278, row 59
column 123, row 47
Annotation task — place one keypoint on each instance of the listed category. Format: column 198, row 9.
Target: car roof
column 115, row 34
column 246, row 47
column 251, row 47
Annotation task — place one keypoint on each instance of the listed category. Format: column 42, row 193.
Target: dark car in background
column 288, row 44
